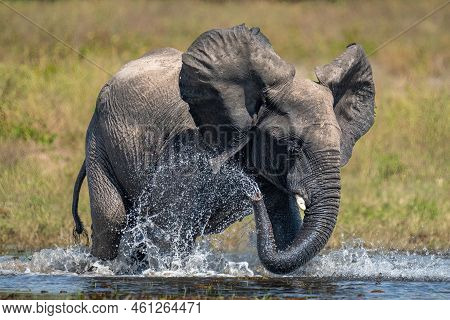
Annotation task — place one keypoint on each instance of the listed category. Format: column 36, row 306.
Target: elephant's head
column 299, row 132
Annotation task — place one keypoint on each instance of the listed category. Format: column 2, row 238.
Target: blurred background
column 395, row 189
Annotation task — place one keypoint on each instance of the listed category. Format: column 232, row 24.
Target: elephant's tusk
column 300, row 203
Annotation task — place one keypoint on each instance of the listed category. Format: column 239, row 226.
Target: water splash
column 77, row 260
column 353, row 261
column 182, row 201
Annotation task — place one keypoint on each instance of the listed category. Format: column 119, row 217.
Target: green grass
column 395, row 190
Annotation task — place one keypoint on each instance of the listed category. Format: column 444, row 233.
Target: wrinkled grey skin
column 234, row 79
column 137, row 111
column 139, row 120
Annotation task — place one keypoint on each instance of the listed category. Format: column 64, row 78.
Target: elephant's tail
column 79, row 228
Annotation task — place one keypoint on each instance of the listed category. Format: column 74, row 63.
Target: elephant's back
column 139, row 110
column 146, row 91
column 162, row 62
column 146, row 83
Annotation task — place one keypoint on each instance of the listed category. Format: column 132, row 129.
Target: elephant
column 245, row 102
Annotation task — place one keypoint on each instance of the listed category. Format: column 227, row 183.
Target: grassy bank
column 395, row 190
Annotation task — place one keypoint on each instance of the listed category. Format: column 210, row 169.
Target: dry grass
column 395, row 189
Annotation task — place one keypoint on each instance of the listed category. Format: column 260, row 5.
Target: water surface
column 347, row 273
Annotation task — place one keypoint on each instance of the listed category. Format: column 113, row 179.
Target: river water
column 351, row 272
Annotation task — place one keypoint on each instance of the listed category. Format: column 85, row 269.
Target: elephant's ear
column 349, row 78
column 224, row 76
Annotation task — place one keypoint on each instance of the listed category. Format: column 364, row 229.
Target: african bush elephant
column 292, row 134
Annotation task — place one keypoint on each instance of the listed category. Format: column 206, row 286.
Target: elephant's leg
column 283, row 213
column 107, row 207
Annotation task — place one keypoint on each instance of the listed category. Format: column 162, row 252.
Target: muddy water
column 348, row 273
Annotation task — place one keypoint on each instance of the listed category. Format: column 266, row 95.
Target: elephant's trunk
column 320, row 219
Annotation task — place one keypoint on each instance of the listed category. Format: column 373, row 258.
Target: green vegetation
column 395, row 190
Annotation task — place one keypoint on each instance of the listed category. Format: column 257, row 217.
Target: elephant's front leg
column 107, row 207
column 283, row 213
